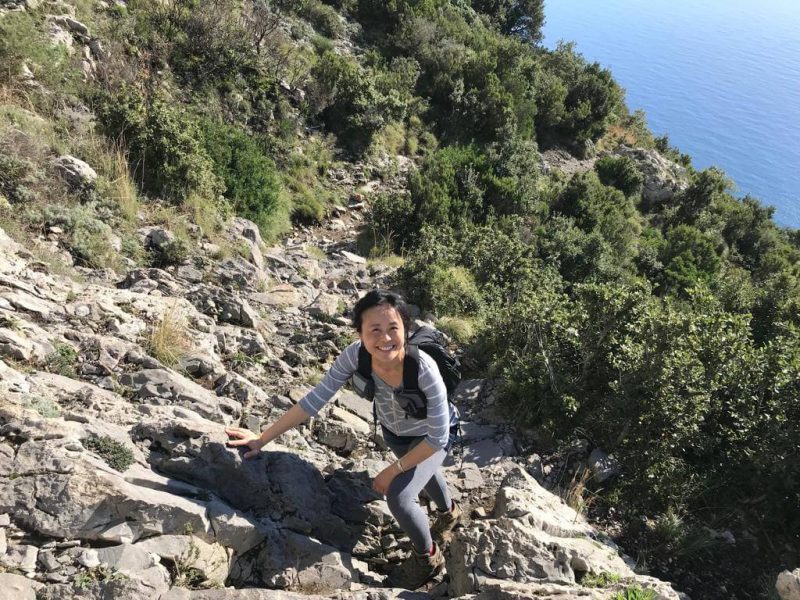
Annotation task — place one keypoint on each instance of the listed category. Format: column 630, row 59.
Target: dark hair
column 381, row 298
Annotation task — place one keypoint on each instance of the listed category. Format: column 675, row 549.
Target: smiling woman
column 419, row 440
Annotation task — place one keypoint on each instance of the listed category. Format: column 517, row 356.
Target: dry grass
column 316, row 252
column 115, row 182
column 577, row 496
column 169, row 339
column 461, row 329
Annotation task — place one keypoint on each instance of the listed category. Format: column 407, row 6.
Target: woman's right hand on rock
column 244, row 437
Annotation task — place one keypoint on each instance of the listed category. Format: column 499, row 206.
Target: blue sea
column 720, row 77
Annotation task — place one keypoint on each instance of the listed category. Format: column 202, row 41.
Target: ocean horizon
column 721, row 79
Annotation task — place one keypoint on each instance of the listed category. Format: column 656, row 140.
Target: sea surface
column 720, row 77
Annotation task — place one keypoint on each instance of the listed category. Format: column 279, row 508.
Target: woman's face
column 383, row 334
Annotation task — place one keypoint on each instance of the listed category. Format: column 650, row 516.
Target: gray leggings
column 405, row 488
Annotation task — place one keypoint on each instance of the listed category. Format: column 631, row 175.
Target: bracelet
column 399, row 464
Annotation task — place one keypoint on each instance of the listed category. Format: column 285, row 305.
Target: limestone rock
column 19, row 587
column 662, row 177
column 210, row 561
column 79, row 497
column 224, row 306
column 77, row 173
column 136, row 563
column 161, row 386
column 325, row 305
column 788, row 585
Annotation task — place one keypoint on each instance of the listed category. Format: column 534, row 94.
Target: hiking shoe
column 416, row 570
column 445, row 522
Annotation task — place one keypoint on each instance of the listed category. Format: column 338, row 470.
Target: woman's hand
column 381, row 483
column 244, row 437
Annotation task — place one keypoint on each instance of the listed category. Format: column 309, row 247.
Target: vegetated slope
column 623, row 298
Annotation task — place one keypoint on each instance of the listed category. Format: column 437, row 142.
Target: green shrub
column 164, row 144
column 90, row 235
column 355, row 102
column 172, row 252
column 63, row 361
column 689, row 258
column 324, row 18
column 23, row 41
column 635, row 593
column 16, row 176
column 390, row 225
column 620, row 172
column 250, row 178
column 462, row 329
column 603, row 210
column 116, row 455
column 45, row 407
column 452, row 291
column 307, row 210
column 600, row 580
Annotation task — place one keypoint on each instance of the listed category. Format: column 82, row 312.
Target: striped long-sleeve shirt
column 441, row 414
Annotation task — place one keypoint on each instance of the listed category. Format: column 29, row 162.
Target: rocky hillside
column 193, row 194
column 116, row 480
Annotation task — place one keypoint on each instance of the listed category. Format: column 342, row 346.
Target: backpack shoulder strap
column 364, row 363
column 411, row 368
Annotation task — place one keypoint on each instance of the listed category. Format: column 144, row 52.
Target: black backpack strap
column 364, row 362
column 411, row 369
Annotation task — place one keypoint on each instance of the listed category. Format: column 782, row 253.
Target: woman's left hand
column 384, row 479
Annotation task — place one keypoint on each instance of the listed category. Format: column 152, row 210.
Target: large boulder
column 224, row 306
column 58, row 493
column 788, row 585
column 75, row 172
column 534, row 537
column 276, row 485
column 19, row 587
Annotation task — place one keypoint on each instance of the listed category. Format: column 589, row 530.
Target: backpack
column 411, row 398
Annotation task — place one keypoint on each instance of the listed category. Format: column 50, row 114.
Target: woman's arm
column 341, row 370
column 244, row 437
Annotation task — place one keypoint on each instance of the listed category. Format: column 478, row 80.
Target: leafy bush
column 164, row 142
column 250, row 178
column 689, row 258
column 207, row 44
column 116, row 455
column 462, row 329
column 355, row 102
column 452, row 291
column 601, row 209
column 576, row 100
column 307, row 210
column 171, row 252
column 324, row 18
column 24, row 42
column 459, row 184
column 635, row 593
column 524, row 19
column 600, row 580
column 620, row 172
column 91, row 239
column 390, row 225
column 45, row 407
column 62, row 361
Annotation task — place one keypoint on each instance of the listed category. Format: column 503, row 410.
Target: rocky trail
column 116, row 482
